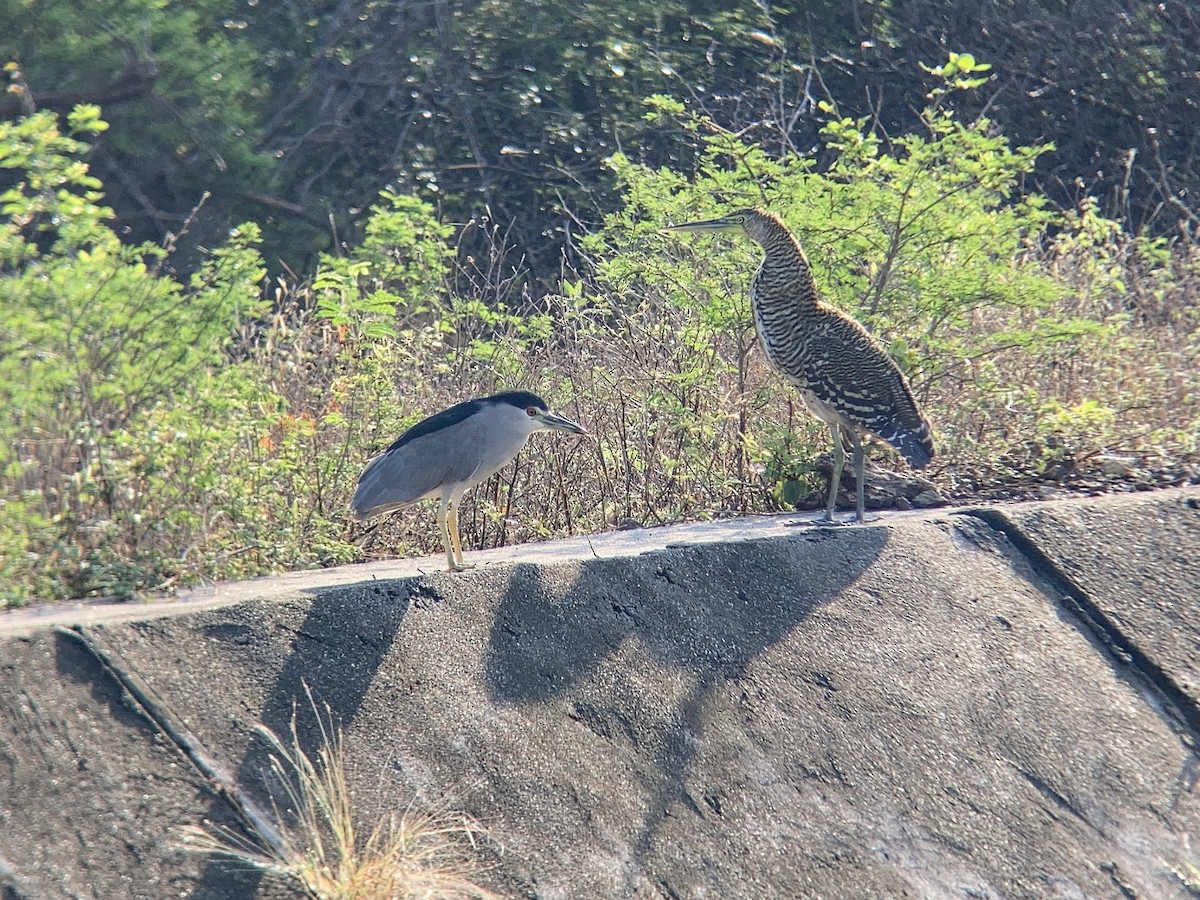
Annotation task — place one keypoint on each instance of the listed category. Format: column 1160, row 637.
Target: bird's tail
column 916, row 446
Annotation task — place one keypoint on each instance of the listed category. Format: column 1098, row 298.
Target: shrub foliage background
column 295, row 114
column 163, row 429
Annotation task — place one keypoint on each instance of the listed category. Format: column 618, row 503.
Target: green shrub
column 94, row 335
column 161, row 431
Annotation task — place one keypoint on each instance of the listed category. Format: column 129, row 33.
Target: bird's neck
column 784, row 276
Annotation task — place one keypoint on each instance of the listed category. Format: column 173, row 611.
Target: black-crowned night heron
column 846, row 379
column 449, row 452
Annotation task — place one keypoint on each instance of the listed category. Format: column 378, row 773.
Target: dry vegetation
column 1052, row 351
column 315, row 840
column 685, row 430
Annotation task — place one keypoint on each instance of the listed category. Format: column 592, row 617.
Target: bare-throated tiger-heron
column 846, row 378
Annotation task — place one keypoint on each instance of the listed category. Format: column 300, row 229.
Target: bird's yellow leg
column 458, row 565
column 441, row 518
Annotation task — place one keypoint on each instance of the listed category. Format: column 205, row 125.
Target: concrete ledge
column 1135, row 562
column 743, row 709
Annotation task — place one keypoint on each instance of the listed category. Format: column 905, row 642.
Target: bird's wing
column 411, row 471
column 847, row 371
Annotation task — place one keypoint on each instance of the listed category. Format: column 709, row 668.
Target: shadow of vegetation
column 335, row 654
column 706, row 610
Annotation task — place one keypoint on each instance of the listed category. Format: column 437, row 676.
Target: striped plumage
column 846, row 379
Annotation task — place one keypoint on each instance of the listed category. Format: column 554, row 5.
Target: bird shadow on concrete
column 706, row 610
column 339, row 628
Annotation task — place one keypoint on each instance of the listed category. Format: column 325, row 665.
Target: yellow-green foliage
column 94, row 337
column 159, row 432
column 925, row 243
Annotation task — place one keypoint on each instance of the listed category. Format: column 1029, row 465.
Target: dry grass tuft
column 320, row 846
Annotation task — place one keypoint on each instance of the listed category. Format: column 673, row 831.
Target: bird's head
column 538, row 416
column 755, row 223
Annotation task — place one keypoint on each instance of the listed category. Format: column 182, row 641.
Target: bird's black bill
column 561, row 423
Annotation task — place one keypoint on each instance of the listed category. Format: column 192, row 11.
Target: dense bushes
column 160, row 430
column 97, row 339
column 295, row 114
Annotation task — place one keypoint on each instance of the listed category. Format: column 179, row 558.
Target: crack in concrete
column 141, row 698
column 1052, row 794
column 1074, row 598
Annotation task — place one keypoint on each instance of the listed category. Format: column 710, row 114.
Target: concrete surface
column 1142, row 577
column 988, row 704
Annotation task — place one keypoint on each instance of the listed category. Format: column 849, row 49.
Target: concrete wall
column 992, row 703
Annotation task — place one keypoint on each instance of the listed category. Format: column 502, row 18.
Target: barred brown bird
column 846, row 379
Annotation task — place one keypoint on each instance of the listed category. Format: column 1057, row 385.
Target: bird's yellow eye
column 531, row 411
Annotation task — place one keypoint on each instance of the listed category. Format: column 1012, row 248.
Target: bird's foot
column 461, row 567
column 823, row 521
